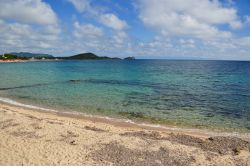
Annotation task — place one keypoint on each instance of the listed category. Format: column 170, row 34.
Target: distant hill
column 129, row 58
column 38, row 56
column 87, row 56
column 8, row 56
column 30, row 55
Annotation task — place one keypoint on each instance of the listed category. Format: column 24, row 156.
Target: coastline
column 21, row 61
column 13, row 61
column 126, row 122
column 31, row 137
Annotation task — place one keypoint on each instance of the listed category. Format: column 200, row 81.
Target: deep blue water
column 203, row 94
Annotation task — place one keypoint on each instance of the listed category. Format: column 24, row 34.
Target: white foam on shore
column 156, row 126
column 13, row 102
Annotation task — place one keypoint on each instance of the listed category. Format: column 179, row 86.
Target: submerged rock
column 74, row 81
column 133, row 114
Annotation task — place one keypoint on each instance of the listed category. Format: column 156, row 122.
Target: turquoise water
column 200, row 94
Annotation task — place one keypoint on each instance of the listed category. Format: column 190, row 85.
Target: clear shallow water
column 201, row 94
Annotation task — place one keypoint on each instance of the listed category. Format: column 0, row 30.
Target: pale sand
column 13, row 61
column 29, row 60
column 29, row 137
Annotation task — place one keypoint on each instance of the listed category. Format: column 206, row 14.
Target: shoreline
column 13, row 61
column 122, row 122
column 22, row 61
column 31, row 137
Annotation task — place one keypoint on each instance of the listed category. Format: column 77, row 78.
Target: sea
column 199, row 94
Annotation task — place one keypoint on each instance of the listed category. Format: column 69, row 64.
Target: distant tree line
column 11, row 57
column 83, row 56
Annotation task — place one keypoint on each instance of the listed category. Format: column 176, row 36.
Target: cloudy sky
column 196, row 29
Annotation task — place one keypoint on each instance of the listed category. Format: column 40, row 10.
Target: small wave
column 13, row 102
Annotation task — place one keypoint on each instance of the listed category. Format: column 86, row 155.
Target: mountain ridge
column 81, row 56
column 30, row 55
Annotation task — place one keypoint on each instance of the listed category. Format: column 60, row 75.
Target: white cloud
column 193, row 18
column 188, row 43
column 247, row 21
column 92, row 38
column 17, row 36
column 81, row 5
column 244, row 41
column 120, row 37
column 86, row 7
column 27, row 11
column 112, row 21
column 28, row 25
column 108, row 19
column 185, row 28
column 87, row 31
column 52, row 29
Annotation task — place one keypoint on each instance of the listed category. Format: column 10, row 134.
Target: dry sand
column 30, row 137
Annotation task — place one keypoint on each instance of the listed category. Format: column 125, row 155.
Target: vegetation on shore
column 32, row 56
column 129, row 58
column 12, row 57
column 87, row 56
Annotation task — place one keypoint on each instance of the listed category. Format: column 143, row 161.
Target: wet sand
column 31, row 137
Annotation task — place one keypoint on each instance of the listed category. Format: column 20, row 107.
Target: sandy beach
column 19, row 60
column 31, row 137
column 12, row 61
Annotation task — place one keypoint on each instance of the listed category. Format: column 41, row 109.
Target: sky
column 151, row 29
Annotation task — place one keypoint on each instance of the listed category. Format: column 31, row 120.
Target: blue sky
column 180, row 29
